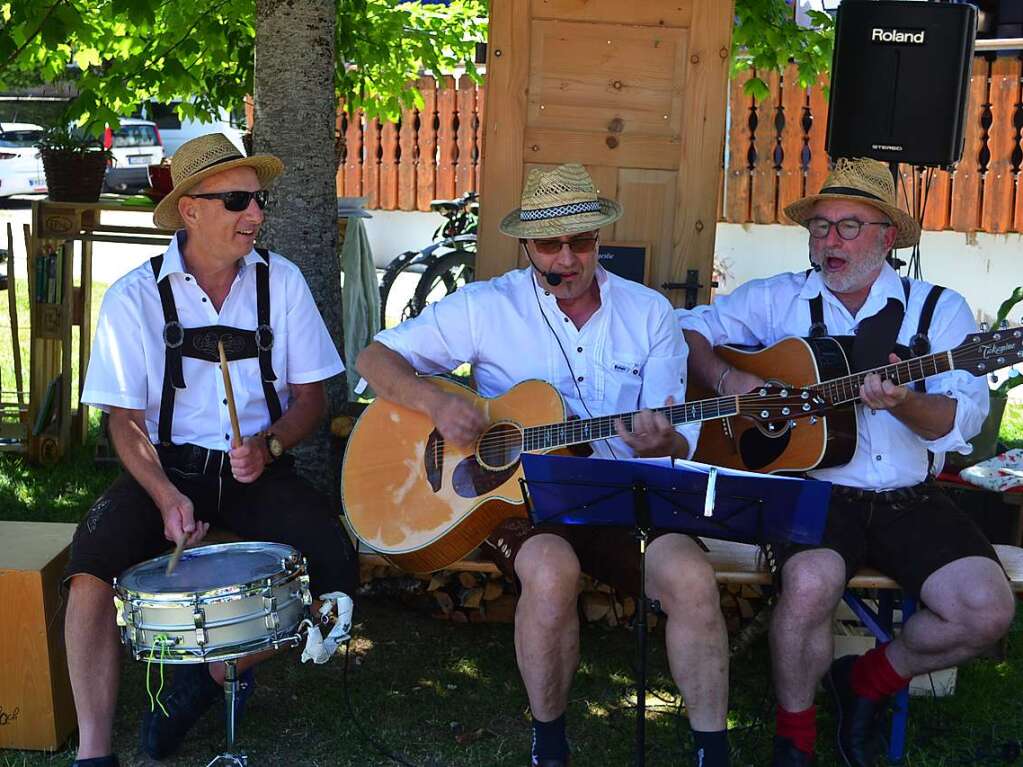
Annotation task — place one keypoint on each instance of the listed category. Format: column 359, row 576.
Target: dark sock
column 711, row 748
column 549, row 739
column 97, row 761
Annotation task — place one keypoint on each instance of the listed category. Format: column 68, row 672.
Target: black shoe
column 787, row 755
column 97, row 761
column 191, row 693
column 550, row 763
column 860, row 721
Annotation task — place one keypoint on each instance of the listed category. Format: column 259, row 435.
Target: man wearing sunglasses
column 154, row 370
column 883, row 512
column 608, row 345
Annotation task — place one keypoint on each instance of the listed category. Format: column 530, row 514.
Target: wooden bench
column 741, row 563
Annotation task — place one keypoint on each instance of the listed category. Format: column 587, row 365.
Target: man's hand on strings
column 652, row 435
column 881, row 394
column 457, row 420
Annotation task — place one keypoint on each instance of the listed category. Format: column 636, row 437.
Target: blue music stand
column 682, row 496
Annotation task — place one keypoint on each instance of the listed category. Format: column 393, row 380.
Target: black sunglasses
column 236, row 202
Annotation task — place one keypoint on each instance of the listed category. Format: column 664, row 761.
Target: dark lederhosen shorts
column 908, row 534
column 609, row 554
column 124, row 526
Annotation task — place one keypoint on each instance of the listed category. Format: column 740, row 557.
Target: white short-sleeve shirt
column 628, row 355
column 127, row 361
column 888, row 453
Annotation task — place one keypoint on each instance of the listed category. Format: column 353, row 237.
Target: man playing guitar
column 607, row 345
column 883, row 511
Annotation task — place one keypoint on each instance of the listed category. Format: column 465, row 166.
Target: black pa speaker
column 899, row 80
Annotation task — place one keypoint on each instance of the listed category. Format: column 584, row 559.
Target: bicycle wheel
column 395, row 268
column 444, row 276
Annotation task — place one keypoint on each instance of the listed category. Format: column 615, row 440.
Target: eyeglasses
column 578, row 245
column 847, row 228
column 238, row 201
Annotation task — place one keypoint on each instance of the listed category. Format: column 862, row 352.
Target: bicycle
column 448, row 262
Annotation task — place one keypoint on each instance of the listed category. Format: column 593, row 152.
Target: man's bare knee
column 812, row 584
column 679, row 575
column 548, row 570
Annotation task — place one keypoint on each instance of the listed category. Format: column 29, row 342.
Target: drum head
column 207, row 568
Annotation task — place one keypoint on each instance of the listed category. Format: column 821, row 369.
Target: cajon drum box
column 36, row 708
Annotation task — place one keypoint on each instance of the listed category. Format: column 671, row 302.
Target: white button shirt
column 888, row 454
column 629, row 355
column 128, row 353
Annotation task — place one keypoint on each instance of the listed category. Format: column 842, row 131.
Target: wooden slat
column 446, row 138
column 426, row 169
column 353, row 155
column 407, row 160
column 967, row 181
column 388, row 166
column 817, row 172
column 1018, row 225
column 508, row 58
column 481, row 117
column 939, row 201
column 737, row 174
column 339, row 128
column 793, row 102
column 699, row 169
column 465, row 163
column 678, row 14
column 764, row 188
column 1000, row 182
column 371, row 164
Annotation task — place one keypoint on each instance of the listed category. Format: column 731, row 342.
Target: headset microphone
column 553, row 278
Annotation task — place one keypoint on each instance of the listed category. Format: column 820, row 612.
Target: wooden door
column 634, row 91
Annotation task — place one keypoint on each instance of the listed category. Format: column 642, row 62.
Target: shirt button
column 579, row 349
column 877, row 458
column 227, row 437
column 635, row 372
column 566, row 319
column 188, row 279
column 204, row 300
column 225, row 401
column 579, row 379
column 546, row 292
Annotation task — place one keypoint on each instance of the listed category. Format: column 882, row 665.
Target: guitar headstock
column 983, row 353
column 771, row 403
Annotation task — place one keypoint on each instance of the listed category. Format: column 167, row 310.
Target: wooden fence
column 775, row 152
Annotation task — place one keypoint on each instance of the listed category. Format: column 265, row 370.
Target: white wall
column 985, row 268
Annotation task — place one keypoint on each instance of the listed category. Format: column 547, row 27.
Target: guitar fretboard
column 554, row 435
column 840, row 391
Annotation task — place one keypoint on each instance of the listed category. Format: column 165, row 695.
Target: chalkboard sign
column 630, row 260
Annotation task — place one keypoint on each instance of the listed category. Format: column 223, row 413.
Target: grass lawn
column 448, row 694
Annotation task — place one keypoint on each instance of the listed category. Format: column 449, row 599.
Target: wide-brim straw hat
column 861, row 180
column 201, row 158
column 559, row 202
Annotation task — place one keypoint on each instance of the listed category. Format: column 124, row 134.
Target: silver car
column 21, row 169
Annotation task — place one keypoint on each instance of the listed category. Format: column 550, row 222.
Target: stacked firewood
column 485, row 595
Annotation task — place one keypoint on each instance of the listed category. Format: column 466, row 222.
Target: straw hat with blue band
column 203, row 157
column 558, row 202
column 861, row 180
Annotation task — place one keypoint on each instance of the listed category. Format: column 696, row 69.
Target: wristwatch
column 274, row 446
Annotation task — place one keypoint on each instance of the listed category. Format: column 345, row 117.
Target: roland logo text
column 897, row 36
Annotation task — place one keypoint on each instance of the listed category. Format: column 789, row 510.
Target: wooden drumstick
column 237, row 441
column 178, row 548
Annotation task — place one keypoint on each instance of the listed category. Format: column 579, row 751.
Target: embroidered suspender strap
column 173, row 338
column 818, row 328
column 265, row 335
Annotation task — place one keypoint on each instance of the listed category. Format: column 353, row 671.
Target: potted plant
column 985, row 443
column 74, row 163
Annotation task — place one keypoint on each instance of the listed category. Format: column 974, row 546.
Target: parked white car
column 21, row 169
column 135, row 145
column 174, row 131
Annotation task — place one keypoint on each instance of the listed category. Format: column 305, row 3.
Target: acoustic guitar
column 821, row 366
column 424, row 503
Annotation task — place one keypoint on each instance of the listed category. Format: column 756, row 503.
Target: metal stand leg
column 230, row 696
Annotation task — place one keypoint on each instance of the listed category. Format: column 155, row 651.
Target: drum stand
column 230, row 696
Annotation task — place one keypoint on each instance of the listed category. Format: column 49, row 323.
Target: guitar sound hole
column 500, row 446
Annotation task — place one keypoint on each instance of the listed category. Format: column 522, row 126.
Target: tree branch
column 31, row 37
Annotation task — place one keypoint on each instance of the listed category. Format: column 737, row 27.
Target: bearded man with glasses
column 608, row 345
column 154, row 370
column 884, row 512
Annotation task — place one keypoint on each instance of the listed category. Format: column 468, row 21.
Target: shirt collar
column 174, row 262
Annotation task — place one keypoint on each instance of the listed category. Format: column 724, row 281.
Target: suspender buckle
column 818, row 330
column 264, row 338
column 920, row 345
column 173, row 334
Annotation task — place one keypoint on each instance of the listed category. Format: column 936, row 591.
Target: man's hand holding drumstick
column 249, row 455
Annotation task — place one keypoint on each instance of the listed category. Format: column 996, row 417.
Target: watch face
column 274, row 446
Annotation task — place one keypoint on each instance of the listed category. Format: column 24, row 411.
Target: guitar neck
column 552, row 436
column 841, row 391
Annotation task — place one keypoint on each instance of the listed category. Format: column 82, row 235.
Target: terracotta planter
column 74, row 176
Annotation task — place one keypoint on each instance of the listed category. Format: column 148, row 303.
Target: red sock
column 800, row 727
column 874, row 678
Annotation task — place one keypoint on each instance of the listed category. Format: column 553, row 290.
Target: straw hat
column 861, row 180
column 559, row 202
column 203, row 157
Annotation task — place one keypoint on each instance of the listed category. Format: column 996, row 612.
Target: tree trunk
column 295, row 112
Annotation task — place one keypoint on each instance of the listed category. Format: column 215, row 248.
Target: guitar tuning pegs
column 994, row 378
column 1003, row 325
column 984, row 327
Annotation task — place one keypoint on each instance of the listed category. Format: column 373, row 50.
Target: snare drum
column 221, row 602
